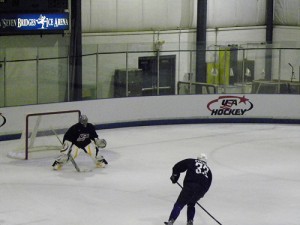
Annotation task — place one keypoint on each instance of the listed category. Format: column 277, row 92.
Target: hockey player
column 81, row 135
column 196, row 183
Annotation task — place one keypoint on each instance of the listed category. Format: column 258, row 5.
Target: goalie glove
column 100, row 143
column 174, row 178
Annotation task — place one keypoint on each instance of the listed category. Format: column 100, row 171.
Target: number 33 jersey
column 197, row 172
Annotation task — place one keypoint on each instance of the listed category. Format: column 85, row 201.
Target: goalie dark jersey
column 80, row 135
column 197, row 172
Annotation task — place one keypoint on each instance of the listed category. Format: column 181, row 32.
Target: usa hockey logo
column 229, row 105
column 2, row 120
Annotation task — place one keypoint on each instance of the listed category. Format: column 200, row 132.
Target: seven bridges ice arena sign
column 34, row 22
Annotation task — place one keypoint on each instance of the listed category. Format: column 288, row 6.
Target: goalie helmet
column 202, row 157
column 83, row 120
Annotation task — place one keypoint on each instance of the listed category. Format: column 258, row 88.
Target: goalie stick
column 62, row 150
column 70, row 157
column 74, row 163
column 56, row 136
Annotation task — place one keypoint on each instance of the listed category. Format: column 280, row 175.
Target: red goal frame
column 41, row 114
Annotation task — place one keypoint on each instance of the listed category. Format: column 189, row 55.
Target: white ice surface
column 256, row 178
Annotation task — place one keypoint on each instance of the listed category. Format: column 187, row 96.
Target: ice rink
column 256, row 178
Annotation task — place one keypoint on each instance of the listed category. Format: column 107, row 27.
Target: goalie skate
column 57, row 165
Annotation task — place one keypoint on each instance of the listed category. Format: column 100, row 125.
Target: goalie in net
column 83, row 136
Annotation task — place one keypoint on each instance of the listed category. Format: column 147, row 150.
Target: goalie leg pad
column 60, row 161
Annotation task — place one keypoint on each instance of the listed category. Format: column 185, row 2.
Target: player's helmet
column 202, row 157
column 83, row 120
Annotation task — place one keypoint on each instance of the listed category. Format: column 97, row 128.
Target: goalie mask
column 83, row 120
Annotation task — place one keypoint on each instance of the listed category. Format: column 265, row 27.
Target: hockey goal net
column 43, row 132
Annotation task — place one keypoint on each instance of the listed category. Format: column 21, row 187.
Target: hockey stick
column 203, row 208
column 56, row 136
column 72, row 159
column 62, row 150
column 74, row 163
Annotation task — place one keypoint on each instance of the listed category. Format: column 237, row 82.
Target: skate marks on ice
column 255, row 175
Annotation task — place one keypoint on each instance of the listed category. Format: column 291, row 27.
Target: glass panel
column 52, row 80
column 21, row 83
column 41, row 75
column 2, row 78
column 89, row 78
column 106, row 73
column 89, row 72
column 166, row 75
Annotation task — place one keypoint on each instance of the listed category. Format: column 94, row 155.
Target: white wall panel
column 122, row 110
column 250, row 13
column 103, row 16
column 234, row 13
column 240, row 36
column 134, row 15
column 176, row 13
column 155, row 14
column 187, row 12
column 287, row 12
column 220, row 13
column 86, row 15
column 139, row 15
column 129, row 15
column 287, row 36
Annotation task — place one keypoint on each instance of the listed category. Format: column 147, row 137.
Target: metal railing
column 26, row 80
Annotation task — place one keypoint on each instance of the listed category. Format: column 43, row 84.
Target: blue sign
column 34, row 22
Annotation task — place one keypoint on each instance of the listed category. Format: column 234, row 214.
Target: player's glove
column 174, row 178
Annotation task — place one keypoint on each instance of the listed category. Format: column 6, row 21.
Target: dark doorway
column 158, row 81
